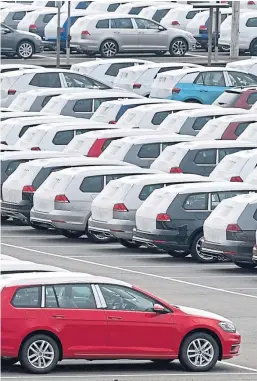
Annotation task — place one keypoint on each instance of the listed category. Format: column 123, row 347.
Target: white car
column 35, row 100
column 5, row 148
column 55, row 137
column 16, row 82
column 180, row 17
column 106, row 70
column 13, row 129
column 17, row 114
column 111, row 111
column 156, row 12
column 191, row 123
column 94, row 143
column 236, row 167
column 248, row 66
column 84, row 105
column 5, row 68
column 4, row 257
column 151, row 116
column 247, row 32
column 11, row 16
column 252, row 177
column 250, row 134
column 24, row 267
column 139, row 79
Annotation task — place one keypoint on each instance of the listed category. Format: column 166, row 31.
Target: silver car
column 64, row 199
column 109, row 34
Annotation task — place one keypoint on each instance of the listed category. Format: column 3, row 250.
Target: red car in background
column 243, row 97
column 50, row 317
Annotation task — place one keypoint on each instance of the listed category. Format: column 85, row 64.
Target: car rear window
column 29, row 297
column 13, row 165
column 83, row 4
column 252, row 98
column 148, row 189
column 48, row 18
column 63, row 137
column 113, row 7
column 149, row 151
column 200, row 122
column 159, row 117
column 113, row 70
column 47, row 99
column 25, row 128
column 18, row 16
column 191, row 14
column 159, row 14
column 136, row 10
column 46, row 80
column 241, row 127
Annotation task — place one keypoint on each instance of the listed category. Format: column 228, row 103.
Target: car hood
column 26, row 33
column 202, row 313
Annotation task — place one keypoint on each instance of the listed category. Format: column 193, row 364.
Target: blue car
column 206, row 84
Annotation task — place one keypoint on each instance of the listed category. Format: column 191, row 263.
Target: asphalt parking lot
column 221, row 288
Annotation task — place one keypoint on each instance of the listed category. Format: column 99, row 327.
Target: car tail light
column 11, row 92
column 96, row 148
column 175, row 22
column 251, row 3
column 137, row 85
column 35, row 149
column 28, row 189
column 120, row 208
column 4, row 142
column 85, row 33
column 175, row 90
column 112, row 122
column 175, row 170
column 61, row 198
column 203, row 27
column 233, row 228
column 33, row 27
column 162, row 217
column 236, row 179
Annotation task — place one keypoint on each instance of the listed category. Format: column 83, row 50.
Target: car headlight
column 37, row 37
column 227, row 326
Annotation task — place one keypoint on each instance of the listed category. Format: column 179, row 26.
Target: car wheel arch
column 193, row 235
column 110, row 39
column 207, row 331
column 44, row 332
column 179, row 38
column 193, row 100
column 27, row 40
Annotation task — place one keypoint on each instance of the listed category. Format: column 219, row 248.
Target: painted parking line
column 135, row 272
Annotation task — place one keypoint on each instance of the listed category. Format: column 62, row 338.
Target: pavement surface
column 49, row 58
column 221, row 288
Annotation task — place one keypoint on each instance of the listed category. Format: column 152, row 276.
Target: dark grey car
column 229, row 232
column 199, row 157
column 172, row 218
column 22, row 44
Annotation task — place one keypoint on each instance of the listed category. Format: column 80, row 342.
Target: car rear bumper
column 234, row 250
column 60, row 219
column 120, row 229
column 19, row 211
column 161, row 239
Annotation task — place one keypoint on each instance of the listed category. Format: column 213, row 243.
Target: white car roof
column 53, row 127
column 215, row 144
column 91, row 93
column 210, row 110
column 115, row 133
column 42, row 117
column 157, row 178
column 172, row 105
column 242, row 155
column 157, row 138
column 237, row 118
column 135, row 101
column 212, row 186
column 93, row 171
column 58, row 278
column 16, row 66
column 110, row 61
column 46, row 10
column 181, row 72
column 31, row 154
column 57, row 90
column 14, row 114
column 5, row 148
column 4, row 257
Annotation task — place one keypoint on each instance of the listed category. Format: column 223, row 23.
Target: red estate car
column 242, row 97
column 50, row 317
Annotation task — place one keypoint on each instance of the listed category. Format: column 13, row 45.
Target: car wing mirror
column 158, row 308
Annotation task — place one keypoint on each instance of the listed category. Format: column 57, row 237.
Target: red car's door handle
column 114, row 317
column 58, row 316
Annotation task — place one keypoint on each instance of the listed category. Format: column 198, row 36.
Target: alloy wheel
column 109, row 49
column 179, row 48
column 25, row 50
column 40, row 354
column 201, row 255
column 200, row 352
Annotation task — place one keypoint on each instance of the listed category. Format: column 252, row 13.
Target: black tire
column 177, row 254
column 160, row 53
column 98, row 237
column 187, row 344
column 178, row 47
column 192, row 101
column 8, row 361
column 90, row 54
column 28, row 49
column 244, row 265
column 109, row 49
column 4, row 218
column 253, row 47
column 71, row 233
column 25, row 350
column 129, row 244
column 195, row 251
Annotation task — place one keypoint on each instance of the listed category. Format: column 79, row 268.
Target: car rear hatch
column 212, row 130
column 117, row 150
column 114, row 193
column 164, row 83
column 55, row 184
column 170, row 158
column 31, row 139
column 6, row 83
column 14, row 186
column 157, row 202
column 106, row 112
column 229, row 167
column 128, row 76
column 131, row 118
column 173, row 123
column 6, row 128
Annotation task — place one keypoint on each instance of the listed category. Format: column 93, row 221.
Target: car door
column 209, row 85
column 47, row 79
column 152, row 36
column 74, row 311
column 8, row 43
column 134, row 329
column 125, row 33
